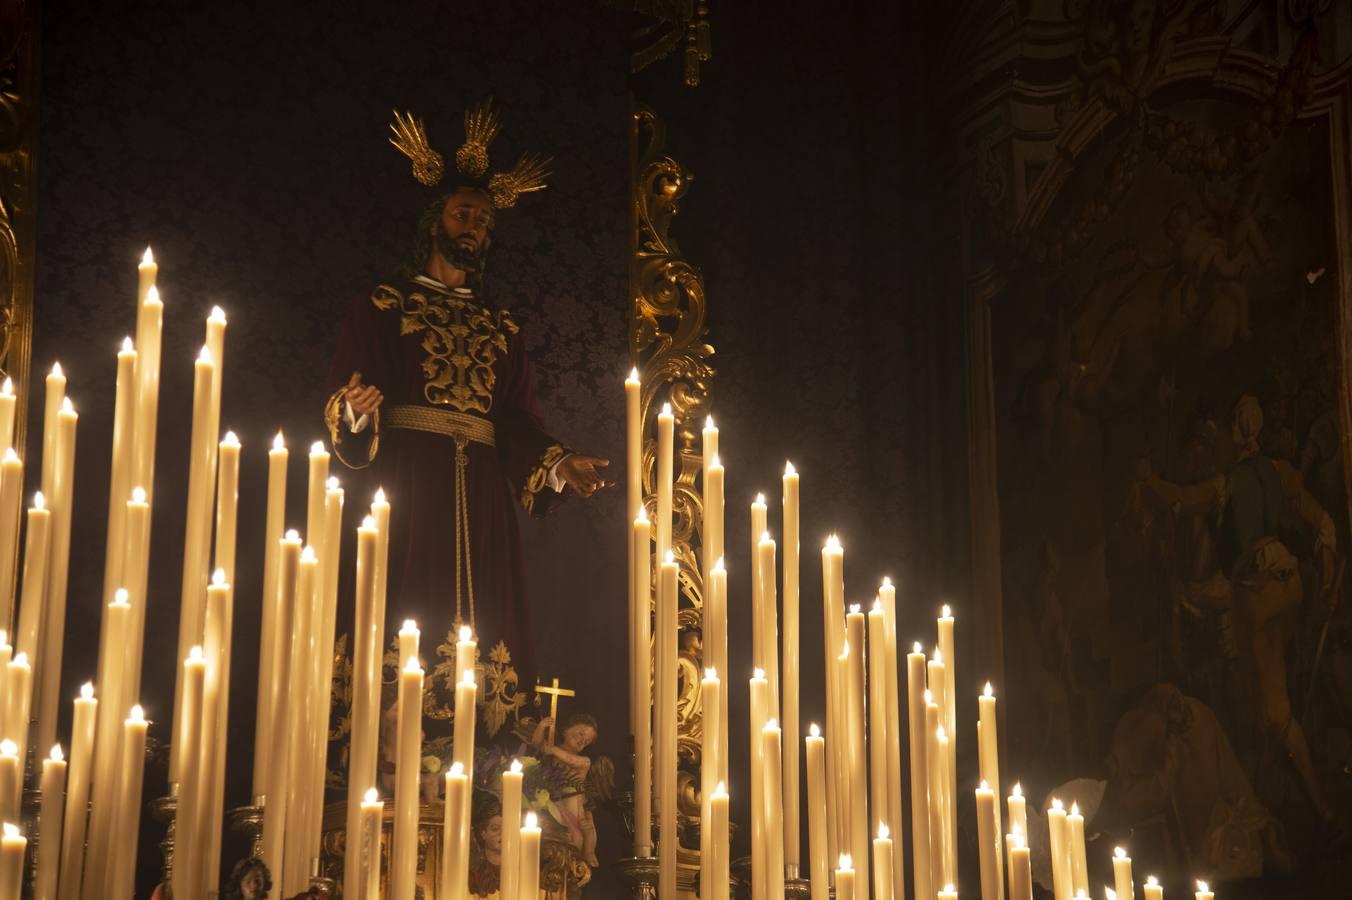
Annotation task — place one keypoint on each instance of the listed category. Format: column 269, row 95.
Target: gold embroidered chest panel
column 461, row 341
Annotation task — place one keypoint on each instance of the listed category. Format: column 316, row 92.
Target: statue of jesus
column 432, row 387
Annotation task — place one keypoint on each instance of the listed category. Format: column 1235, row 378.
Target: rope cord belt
column 463, row 429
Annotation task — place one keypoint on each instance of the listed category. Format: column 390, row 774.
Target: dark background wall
column 246, row 144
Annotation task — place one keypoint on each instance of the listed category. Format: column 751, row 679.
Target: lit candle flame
column 409, row 625
column 666, row 410
column 457, row 769
column 938, row 655
column 760, row 500
column 466, row 634
column 1119, row 852
column 153, row 295
column 20, row 660
column 633, row 374
column 670, row 560
column 230, row 440
column 368, row 522
column 217, row 314
column 317, row 449
column 1152, row 881
column 371, row 795
column 929, row 697
column 940, row 735
column 195, row 654
column 1056, row 804
column 709, row 423
column 883, row 832
column 1202, row 887
column 148, row 258
column 711, row 673
column 718, row 567
column 758, row 673
column 516, row 767
column 813, row 730
column 715, row 462
column 766, row 539
column 772, row 725
column 411, row 665
column 87, row 690
column 846, row 863
column 877, row 604
column 854, row 609
column 121, row 597
column 308, row 555
column 642, row 517
column 845, row 650
column 137, row 714
column 532, row 823
column 292, row 535
column 11, row 830
column 984, row 786
column 11, row 456
column 789, row 469
column 56, row 754
column 279, row 442
column 989, row 691
column 1018, row 789
column 204, row 355
column 380, row 495
column 57, row 371
column 66, row 405
column 138, row 495
column 469, row 678
column 8, row 748
column 1109, row 894
column 39, row 501
column 947, row 612
column 721, row 790
column 916, row 648
column 218, row 578
column 127, row 347
column 1074, row 808
column 833, row 542
column 332, row 484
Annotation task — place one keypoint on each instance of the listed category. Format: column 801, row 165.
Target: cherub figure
column 249, row 880
column 586, row 780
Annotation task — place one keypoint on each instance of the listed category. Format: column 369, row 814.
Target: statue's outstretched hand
column 363, row 398
column 580, row 473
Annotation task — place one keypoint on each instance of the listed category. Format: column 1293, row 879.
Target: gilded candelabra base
column 641, row 872
column 248, row 821
column 165, row 810
column 31, row 805
column 797, row 888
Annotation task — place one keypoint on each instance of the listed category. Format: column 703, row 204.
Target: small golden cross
column 554, row 692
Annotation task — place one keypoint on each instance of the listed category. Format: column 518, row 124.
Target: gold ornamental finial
column 411, row 140
column 527, row 175
column 481, row 126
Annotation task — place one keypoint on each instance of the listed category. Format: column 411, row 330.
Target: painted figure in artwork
column 580, row 780
column 1257, row 502
column 431, row 386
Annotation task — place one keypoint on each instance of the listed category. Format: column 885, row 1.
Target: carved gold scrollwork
column 18, row 194
column 667, row 331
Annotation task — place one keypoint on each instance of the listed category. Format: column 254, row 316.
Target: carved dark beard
column 472, row 263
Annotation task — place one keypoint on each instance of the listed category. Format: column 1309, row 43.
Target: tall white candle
column 665, row 675
column 845, row 878
column 122, row 867
column 279, row 728
column 709, row 769
column 633, row 474
column 791, row 656
column 366, row 667
column 1058, row 838
column 1122, row 874
column 919, row 769
column 643, row 696
column 1018, row 811
column 833, row 632
column 11, row 511
column 721, row 861
column 122, row 469
column 934, row 771
column 772, row 795
column 948, row 705
column 49, row 821
column 34, row 578
column 988, row 848
column 367, row 886
column 882, row 864
column 881, row 744
column 11, row 779
column 77, row 793
column 136, row 569
column 1020, row 867
column 819, row 862
column 758, row 705
column 8, row 401
column 404, row 871
column 765, row 549
column 1079, row 866
column 530, row 858
column 509, row 874
column 666, row 425
column 1152, row 889
column 149, row 324
column 274, row 524
column 12, row 848
column 189, row 855
column 716, row 610
column 455, row 836
column 988, row 764
column 462, row 748
column 54, row 613
column 859, row 813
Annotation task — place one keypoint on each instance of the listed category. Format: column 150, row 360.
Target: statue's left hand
column 580, row 473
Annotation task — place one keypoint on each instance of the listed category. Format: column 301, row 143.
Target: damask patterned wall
column 246, row 142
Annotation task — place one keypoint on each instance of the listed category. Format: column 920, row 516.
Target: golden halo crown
column 482, row 124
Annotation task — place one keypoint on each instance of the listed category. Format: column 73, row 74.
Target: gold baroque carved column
column 666, row 342
column 18, row 194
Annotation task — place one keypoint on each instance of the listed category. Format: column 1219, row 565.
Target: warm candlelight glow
column 127, row 347
column 845, row 862
column 845, row 650
column 1109, row 894
column 1018, row 792
column 916, row 648
column 642, row 517
column 332, row 483
column 138, row 495
column 883, row 832
column 308, row 554
column 465, row 633
column 877, row 604
column 516, row 767
column 1119, row 853
column 195, row 653
column 813, row 730
column 56, row 370
column 984, row 785
column 760, row 498
column 757, row 673
column 8, row 748
column 1152, row 881
column 718, row 567
column 789, row 469
column 887, row 582
column 710, row 672
column 409, row 625
column 39, row 501
column 1056, row 804
column 58, row 756
column 66, row 405
column 412, row 665
column 772, row 724
column 11, row 456
column 1074, row 808
column 204, row 355
column 929, row 697
column 316, row 448
column 715, row 462
column 1202, row 886
column 670, row 559
column 531, row 821
column 20, row 659
column 153, row 295
column 368, row 522
column 137, row 713
column 371, row 795
column 147, row 258
column 854, row 608
column 989, row 691
column 278, row 442
column 292, row 534
column 457, row 769
column 380, row 491
column 940, row 733
column 230, row 439
column 721, row 790
column 633, row 374
column 11, row 830
column 832, row 542
column 708, row 420
column 87, row 690
column 217, row 314
column 938, row 656
column 218, row 578
column 121, row 597
column 947, row 612
column 469, row 677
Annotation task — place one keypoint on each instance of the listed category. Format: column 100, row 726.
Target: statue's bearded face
column 465, row 230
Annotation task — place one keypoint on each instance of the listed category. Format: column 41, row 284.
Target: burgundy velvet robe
column 421, row 343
